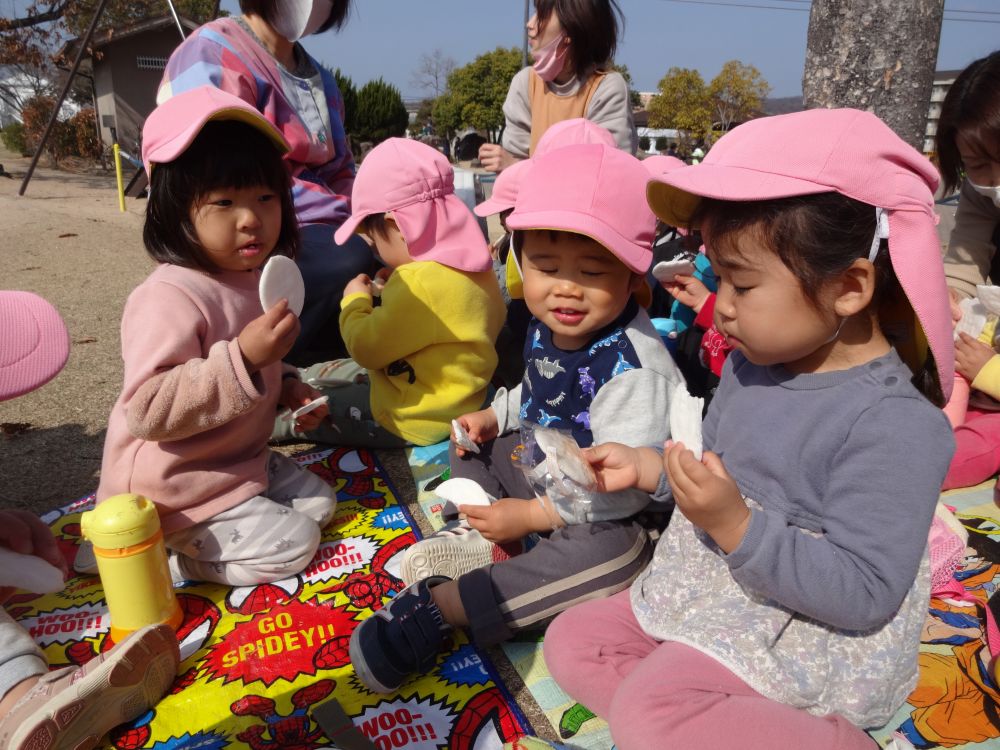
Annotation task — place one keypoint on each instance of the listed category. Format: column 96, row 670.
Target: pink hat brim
column 34, row 343
column 492, row 206
column 348, row 228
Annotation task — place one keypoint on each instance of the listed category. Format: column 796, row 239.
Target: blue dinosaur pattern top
column 558, row 386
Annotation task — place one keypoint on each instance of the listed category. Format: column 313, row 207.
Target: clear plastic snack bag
column 554, row 465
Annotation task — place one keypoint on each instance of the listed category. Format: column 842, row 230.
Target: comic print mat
column 957, row 700
column 256, row 660
column 575, row 725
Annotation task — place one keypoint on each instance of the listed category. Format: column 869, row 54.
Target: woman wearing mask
column 573, row 44
column 257, row 57
column 968, row 145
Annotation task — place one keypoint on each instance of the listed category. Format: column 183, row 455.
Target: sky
column 388, row 37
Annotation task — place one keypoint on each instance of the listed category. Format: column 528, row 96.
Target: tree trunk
column 876, row 55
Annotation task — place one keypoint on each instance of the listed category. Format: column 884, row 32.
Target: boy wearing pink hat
column 785, row 601
column 71, row 707
column 426, row 354
column 595, row 368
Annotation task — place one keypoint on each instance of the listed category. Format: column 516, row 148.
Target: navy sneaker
column 401, row 639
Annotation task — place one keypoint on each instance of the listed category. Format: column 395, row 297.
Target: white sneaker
column 899, row 742
column 456, row 549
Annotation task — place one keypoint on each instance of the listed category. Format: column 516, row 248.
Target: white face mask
column 294, row 19
column 993, row 193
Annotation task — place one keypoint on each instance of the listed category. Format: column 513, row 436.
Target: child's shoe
column 453, row 551
column 73, row 708
column 401, row 639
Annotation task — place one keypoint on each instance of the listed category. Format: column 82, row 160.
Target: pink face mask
column 550, row 59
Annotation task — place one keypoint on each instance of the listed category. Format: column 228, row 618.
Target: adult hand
column 688, row 291
column 619, row 467
column 707, row 495
column 481, row 425
column 267, row 339
column 505, row 520
column 294, row 394
column 495, row 158
column 971, row 356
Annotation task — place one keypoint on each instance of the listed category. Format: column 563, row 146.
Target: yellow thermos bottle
column 132, row 562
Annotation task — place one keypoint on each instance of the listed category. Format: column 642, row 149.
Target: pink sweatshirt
column 190, row 428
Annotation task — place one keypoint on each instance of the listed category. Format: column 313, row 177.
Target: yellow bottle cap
column 121, row 521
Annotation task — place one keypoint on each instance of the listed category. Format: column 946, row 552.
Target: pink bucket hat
column 504, row 190
column 174, row 124
column 571, row 133
column 417, row 184
column 832, row 150
column 34, row 343
column 593, row 190
column 662, row 164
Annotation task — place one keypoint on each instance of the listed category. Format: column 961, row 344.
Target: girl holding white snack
column 203, row 370
column 785, row 600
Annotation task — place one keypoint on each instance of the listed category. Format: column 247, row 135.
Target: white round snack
column 311, row 406
column 461, row 491
column 667, row 270
column 29, row 573
column 685, row 419
column 281, row 279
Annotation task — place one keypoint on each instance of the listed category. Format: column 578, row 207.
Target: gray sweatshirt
column 821, row 604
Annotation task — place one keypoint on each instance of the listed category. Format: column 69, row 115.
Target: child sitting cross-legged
column 596, row 368
column 425, row 354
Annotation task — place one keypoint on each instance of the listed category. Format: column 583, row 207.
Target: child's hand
column 971, row 356
column 267, row 339
column 25, row 533
column 505, row 520
column 481, row 425
column 707, row 495
column 953, row 299
column 688, row 291
column 620, row 467
column 360, row 284
column 295, row 393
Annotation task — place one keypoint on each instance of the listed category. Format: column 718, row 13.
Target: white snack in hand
column 29, row 573
column 990, row 297
column 461, row 491
column 973, row 318
column 305, row 409
column 461, row 437
column 281, row 279
column 378, row 284
column 685, row 419
column 564, row 457
column 667, row 270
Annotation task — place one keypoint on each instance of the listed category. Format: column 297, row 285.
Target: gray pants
column 571, row 565
column 20, row 657
column 350, row 421
column 262, row 539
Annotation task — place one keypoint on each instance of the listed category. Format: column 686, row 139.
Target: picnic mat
column 957, row 699
column 256, row 661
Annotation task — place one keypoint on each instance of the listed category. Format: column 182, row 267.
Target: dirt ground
column 66, row 240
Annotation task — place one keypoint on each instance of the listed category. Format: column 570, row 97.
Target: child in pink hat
column 70, row 707
column 425, row 354
column 203, row 370
column 597, row 370
column 785, row 601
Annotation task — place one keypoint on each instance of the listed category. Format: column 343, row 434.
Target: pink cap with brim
column 34, row 343
column 832, row 150
column 572, row 133
column 594, row 190
column 505, row 190
column 417, row 184
column 174, row 124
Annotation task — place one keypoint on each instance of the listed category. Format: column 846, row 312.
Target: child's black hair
column 592, row 27
column 817, row 237
column 971, row 108
column 225, row 154
column 375, row 225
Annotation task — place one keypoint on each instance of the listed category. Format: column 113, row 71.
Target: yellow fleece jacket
column 429, row 347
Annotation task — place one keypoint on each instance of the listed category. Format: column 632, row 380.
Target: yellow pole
column 118, row 174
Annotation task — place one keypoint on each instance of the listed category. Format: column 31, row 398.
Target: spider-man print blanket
column 257, row 660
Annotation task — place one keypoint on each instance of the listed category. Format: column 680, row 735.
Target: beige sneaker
column 73, row 708
column 453, row 551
